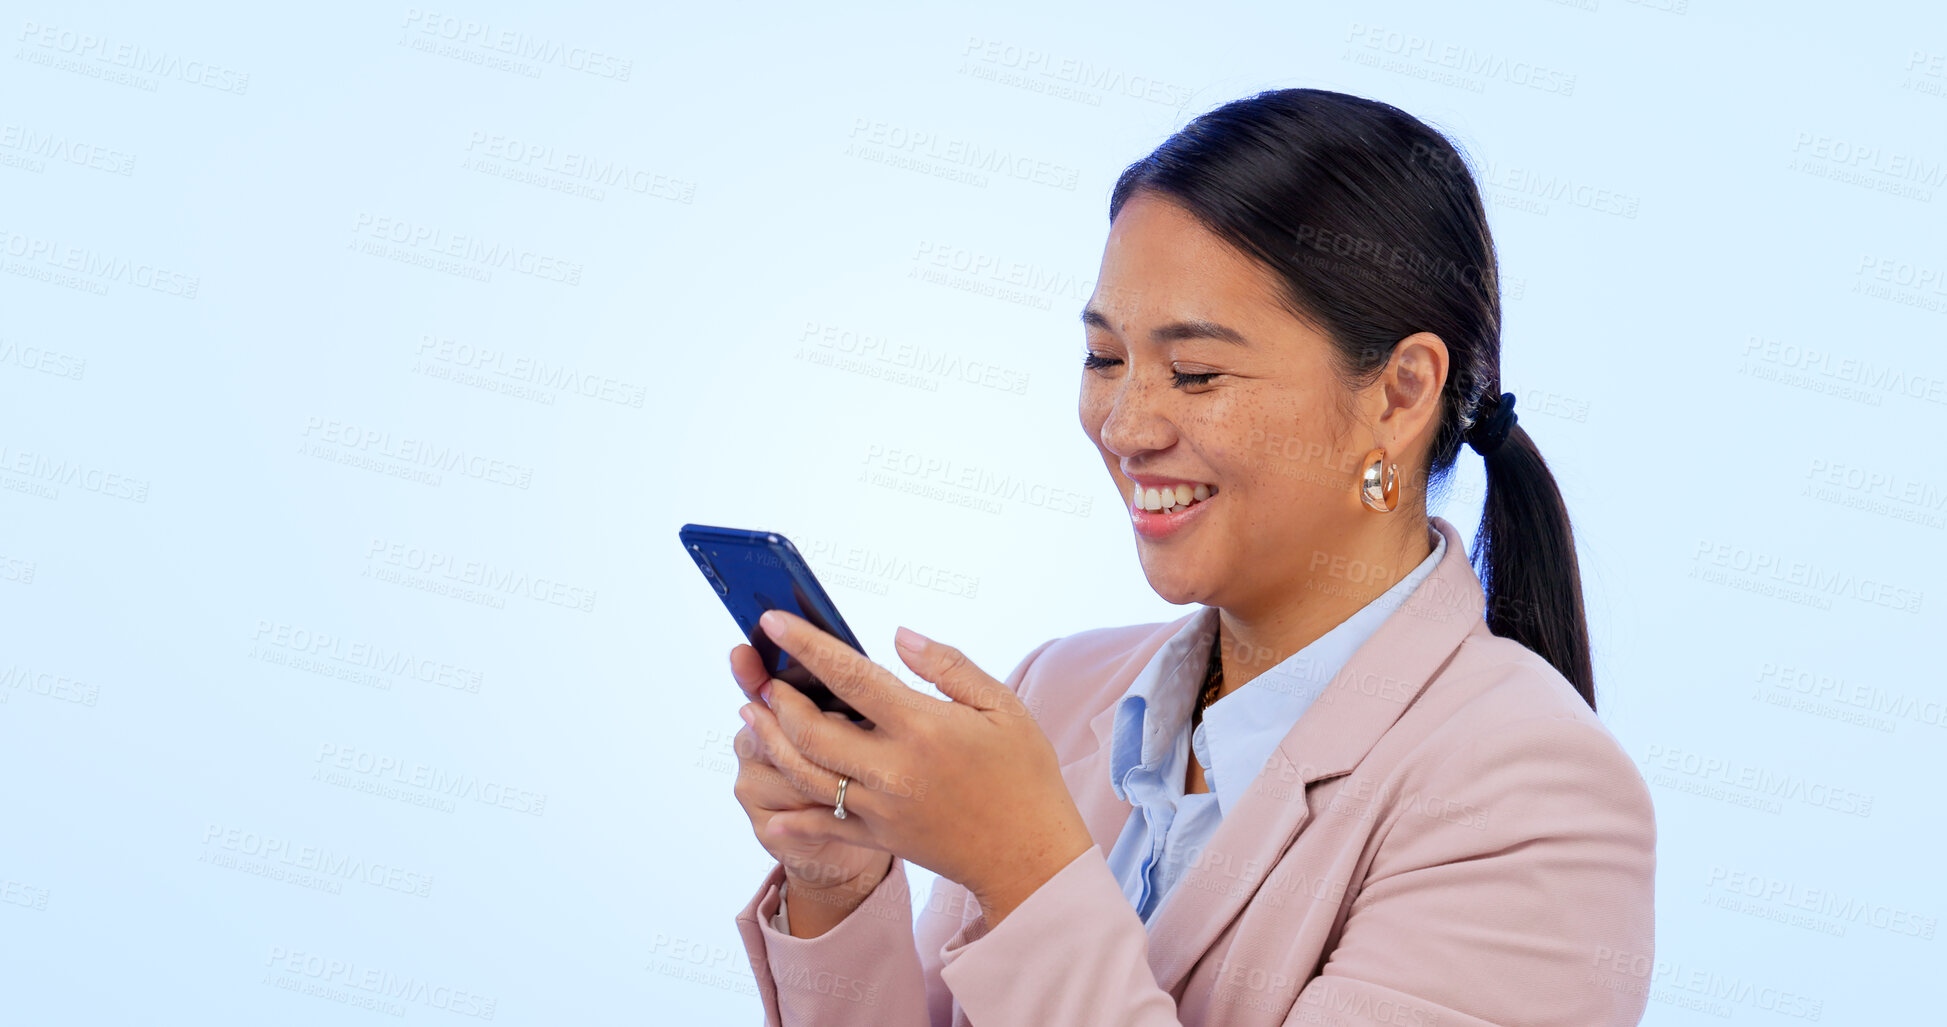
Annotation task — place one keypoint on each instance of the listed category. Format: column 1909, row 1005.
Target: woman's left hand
column 968, row 788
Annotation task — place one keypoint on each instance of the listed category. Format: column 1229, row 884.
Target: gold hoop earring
column 1380, row 494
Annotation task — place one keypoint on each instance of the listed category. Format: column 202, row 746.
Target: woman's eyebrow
column 1174, row 331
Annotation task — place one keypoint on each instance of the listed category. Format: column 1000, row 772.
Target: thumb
column 949, row 669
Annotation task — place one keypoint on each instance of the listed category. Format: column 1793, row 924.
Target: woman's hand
column 826, row 879
column 968, row 787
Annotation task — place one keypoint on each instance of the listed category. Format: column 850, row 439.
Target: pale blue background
column 1732, row 127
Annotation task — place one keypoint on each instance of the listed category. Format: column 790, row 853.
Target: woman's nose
column 1136, row 423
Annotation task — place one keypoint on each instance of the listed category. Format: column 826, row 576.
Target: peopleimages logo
column 418, row 453
column 55, row 146
column 1842, row 907
column 1477, row 65
column 979, row 486
column 42, row 359
column 336, row 866
column 47, row 683
column 134, row 60
column 1920, row 706
column 479, row 573
column 37, row 469
column 909, row 356
column 873, row 139
column 539, row 372
column 356, row 654
column 517, row 44
column 435, row 780
column 1772, row 574
column 1762, row 784
column 351, row 982
column 420, row 243
column 96, row 268
column 578, row 166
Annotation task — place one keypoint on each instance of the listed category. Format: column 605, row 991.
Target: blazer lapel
column 1360, row 703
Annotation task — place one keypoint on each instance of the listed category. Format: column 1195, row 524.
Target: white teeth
column 1168, row 498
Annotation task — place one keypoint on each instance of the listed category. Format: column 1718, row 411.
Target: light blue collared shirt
column 1150, row 747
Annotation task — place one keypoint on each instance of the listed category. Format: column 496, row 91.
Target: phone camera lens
column 710, row 572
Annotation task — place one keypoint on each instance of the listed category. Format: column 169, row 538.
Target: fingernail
column 749, row 717
column 771, row 623
column 764, row 692
column 910, row 640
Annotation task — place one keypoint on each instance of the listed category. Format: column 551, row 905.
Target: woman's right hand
column 827, row 879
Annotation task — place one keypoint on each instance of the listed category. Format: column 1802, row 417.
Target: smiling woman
column 1361, row 783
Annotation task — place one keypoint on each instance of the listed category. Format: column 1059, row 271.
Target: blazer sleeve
column 1515, row 885
column 875, row 968
column 1072, row 953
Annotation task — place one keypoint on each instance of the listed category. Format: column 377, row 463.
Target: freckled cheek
column 1245, row 472
column 1229, row 437
column 1266, row 453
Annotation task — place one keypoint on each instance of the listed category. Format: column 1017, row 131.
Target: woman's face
column 1197, row 376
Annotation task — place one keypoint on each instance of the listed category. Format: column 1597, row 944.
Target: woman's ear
column 1410, row 388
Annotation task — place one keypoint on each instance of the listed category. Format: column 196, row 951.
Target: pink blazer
column 1448, row 837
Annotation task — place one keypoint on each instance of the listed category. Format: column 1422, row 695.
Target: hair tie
column 1491, row 428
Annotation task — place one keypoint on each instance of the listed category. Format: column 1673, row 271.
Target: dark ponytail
column 1526, row 553
column 1375, row 227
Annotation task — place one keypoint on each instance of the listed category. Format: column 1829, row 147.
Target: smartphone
column 754, row 571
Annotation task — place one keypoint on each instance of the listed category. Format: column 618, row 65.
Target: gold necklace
column 1213, row 682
